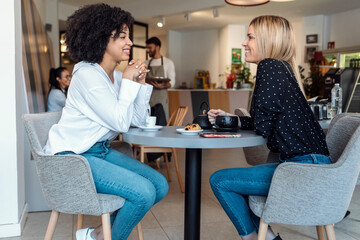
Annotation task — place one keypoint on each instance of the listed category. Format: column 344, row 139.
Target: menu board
column 235, row 55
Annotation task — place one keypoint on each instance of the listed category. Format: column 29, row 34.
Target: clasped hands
column 136, row 71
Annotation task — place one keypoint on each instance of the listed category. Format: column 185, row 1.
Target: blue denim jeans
column 233, row 186
column 118, row 174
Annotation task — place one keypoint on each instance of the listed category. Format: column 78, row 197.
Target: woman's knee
column 216, row 178
column 162, row 187
column 146, row 195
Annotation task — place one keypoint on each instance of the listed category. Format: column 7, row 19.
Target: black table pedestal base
column 192, row 194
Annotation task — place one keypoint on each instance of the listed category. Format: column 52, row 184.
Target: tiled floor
column 165, row 220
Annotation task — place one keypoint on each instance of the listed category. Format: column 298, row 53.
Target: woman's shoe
column 277, row 237
column 84, row 234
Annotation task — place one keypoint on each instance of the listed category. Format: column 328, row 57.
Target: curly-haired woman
column 59, row 80
column 102, row 103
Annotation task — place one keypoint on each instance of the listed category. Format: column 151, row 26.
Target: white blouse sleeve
column 98, row 102
column 141, row 105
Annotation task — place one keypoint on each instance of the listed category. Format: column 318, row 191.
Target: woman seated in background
column 279, row 112
column 102, row 103
column 59, row 80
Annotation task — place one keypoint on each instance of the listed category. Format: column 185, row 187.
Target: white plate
column 188, row 132
column 151, row 129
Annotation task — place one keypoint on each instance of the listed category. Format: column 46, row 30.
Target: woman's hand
column 136, row 71
column 212, row 113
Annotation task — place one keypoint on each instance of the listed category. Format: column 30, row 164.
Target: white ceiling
column 149, row 11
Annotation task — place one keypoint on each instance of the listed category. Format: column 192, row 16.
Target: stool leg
column 140, row 231
column 167, row 166
column 52, row 225
column 80, row 221
column 330, row 233
column 263, row 228
column 178, row 171
column 320, row 232
column 105, row 218
column 142, row 154
column 157, row 161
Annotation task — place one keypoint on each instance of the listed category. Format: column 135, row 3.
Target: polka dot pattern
column 280, row 112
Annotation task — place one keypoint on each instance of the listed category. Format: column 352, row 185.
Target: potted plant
column 243, row 77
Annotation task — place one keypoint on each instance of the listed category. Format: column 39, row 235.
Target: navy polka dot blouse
column 280, row 112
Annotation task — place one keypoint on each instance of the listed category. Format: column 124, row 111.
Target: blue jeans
column 118, row 174
column 233, row 186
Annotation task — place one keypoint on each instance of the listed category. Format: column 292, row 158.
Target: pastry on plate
column 192, row 127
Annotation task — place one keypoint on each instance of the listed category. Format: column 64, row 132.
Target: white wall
column 314, row 25
column 41, row 8
column 197, row 50
column 64, row 11
column 53, row 19
column 174, row 49
column 12, row 199
column 344, row 29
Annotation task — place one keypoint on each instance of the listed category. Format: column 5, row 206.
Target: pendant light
column 246, row 3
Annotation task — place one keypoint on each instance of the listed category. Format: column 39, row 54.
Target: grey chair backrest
column 337, row 140
column 66, row 181
column 308, row 194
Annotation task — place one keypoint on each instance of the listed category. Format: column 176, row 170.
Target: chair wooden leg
column 135, row 152
column 80, row 221
column 140, row 231
column 178, row 171
column 263, row 228
column 167, row 167
column 52, row 225
column 105, row 219
column 142, row 154
column 330, row 232
column 320, row 232
column 157, row 161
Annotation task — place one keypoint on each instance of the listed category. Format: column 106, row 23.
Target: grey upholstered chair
column 314, row 195
column 66, row 181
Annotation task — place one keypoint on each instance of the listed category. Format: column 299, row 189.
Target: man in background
column 161, row 75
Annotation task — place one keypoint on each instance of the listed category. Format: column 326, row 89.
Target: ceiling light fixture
column 161, row 22
column 282, row 0
column 187, row 16
column 246, row 3
column 216, row 12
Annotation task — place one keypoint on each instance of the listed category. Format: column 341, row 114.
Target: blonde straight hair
column 275, row 39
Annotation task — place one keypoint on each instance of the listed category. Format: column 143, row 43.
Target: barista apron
column 159, row 95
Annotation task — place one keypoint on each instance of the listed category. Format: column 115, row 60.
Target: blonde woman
column 279, row 112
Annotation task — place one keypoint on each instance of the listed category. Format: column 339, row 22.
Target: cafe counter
column 225, row 99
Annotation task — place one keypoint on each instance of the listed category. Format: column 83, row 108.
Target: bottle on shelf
column 336, row 100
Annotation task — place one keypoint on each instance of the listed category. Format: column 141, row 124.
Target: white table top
column 168, row 137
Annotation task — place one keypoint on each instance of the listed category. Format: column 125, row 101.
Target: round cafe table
column 168, row 137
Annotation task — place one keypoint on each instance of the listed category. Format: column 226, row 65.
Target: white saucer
column 151, row 129
column 188, row 132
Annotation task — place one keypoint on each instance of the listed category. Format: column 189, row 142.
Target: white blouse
column 97, row 109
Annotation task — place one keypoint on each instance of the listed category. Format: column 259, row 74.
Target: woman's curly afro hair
column 89, row 30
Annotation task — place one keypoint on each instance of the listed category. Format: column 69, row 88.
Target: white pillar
column 12, row 197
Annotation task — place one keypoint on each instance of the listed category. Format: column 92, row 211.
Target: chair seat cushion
column 110, row 203
column 257, row 204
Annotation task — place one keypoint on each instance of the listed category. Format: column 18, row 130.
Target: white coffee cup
column 151, row 121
